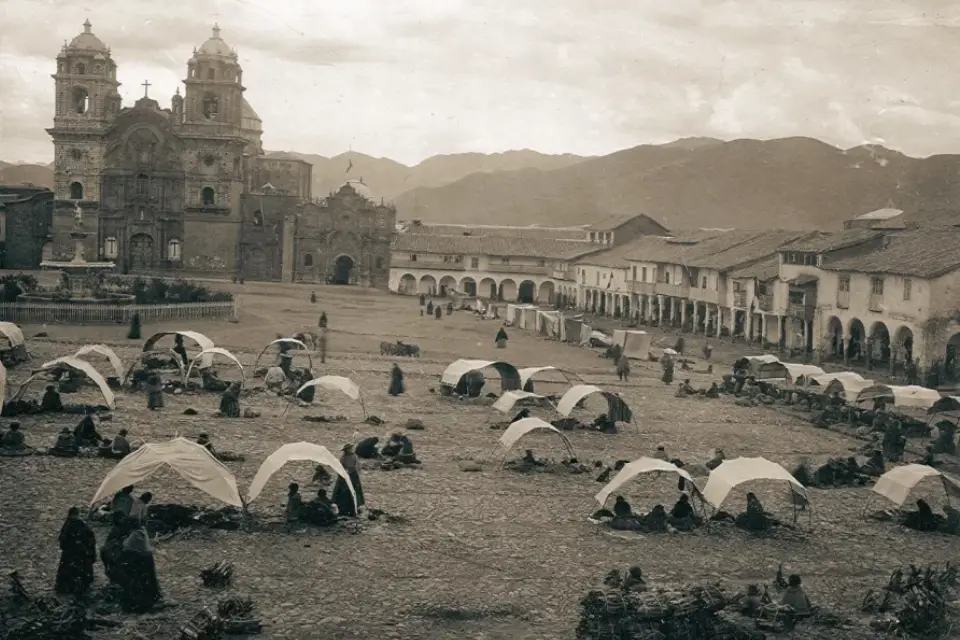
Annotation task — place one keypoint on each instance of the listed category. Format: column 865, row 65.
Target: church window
column 474, row 263
column 81, row 69
column 81, row 100
column 143, row 184
column 76, row 191
column 209, row 160
column 258, row 218
column 173, row 249
column 76, row 154
column 413, row 257
column 379, row 262
column 308, row 260
column 110, row 247
column 541, row 263
column 211, row 107
column 207, row 196
column 211, row 74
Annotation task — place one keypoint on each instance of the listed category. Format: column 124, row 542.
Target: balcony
column 765, row 303
column 740, row 299
column 642, row 288
column 876, row 302
column 672, row 290
column 398, row 263
column 843, row 299
column 519, row 268
column 801, row 311
column 709, row 296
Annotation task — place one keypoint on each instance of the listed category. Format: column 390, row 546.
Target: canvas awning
column 192, row 461
column 824, row 379
column 12, row 333
column 292, row 341
column 804, row 280
column 899, row 396
column 209, row 353
column 105, row 351
column 297, row 451
column 897, row 484
column 509, row 375
column 75, row 365
column 506, row 402
column 528, row 373
column 522, row 427
column 847, row 388
column 640, row 466
column 732, row 473
column 201, row 340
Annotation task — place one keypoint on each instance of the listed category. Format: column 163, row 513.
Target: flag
column 349, row 166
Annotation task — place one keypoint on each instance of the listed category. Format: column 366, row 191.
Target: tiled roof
column 619, row 257
column 763, row 271
column 922, row 218
column 737, row 248
column 922, row 253
column 557, row 233
column 611, row 222
column 822, row 241
column 491, row 245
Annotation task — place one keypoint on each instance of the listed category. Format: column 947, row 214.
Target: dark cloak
column 138, row 577
column 78, row 553
column 342, row 497
column 230, row 403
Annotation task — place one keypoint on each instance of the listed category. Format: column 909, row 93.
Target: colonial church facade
column 188, row 189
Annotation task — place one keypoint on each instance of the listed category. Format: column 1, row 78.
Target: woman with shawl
column 230, row 401
column 180, row 350
column 501, row 339
column 154, row 392
column 341, row 492
column 666, row 362
column 623, row 368
column 304, row 376
column 138, row 574
column 396, row 381
column 78, row 553
column 113, row 545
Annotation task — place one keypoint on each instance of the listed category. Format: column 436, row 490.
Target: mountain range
column 788, row 183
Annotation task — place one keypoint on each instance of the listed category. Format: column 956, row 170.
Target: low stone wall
column 86, row 313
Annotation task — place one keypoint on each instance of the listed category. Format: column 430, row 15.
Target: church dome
column 362, row 189
column 215, row 45
column 87, row 40
column 250, row 119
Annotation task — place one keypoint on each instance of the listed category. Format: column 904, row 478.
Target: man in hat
column 204, row 441
column 51, row 400
column 120, row 445
column 66, row 445
column 661, row 452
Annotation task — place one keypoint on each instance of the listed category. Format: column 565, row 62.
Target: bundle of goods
column 916, row 602
column 45, row 617
column 523, row 465
column 203, row 626
column 624, row 611
column 237, row 615
column 324, row 419
column 168, row 518
column 218, row 575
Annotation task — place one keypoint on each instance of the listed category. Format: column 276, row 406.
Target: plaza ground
column 513, row 553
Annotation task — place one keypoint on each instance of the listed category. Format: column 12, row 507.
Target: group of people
column 126, row 554
column 69, row 441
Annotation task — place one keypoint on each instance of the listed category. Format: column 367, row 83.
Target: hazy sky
column 409, row 79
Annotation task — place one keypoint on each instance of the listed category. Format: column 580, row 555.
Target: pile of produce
column 218, row 575
column 44, row 617
column 625, row 608
column 915, row 601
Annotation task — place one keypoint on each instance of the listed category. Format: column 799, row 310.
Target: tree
column 134, row 333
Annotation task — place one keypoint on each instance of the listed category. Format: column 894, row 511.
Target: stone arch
column 208, row 196
column 448, row 284
column 468, row 286
column 81, row 100
column 527, row 291
column 76, row 190
column 428, row 285
column 408, row 284
column 545, row 292
column 508, row 290
column 903, row 344
column 879, row 343
column 308, row 259
column 487, row 288
column 835, row 337
column 856, row 339
column 344, row 269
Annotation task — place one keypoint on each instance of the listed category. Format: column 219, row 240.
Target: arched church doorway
column 141, row 252
column 342, row 270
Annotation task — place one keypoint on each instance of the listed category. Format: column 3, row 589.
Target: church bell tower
column 214, row 89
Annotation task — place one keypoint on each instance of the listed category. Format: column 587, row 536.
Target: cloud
column 412, row 79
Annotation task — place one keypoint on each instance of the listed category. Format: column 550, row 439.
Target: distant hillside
column 22, row 174
column 785, row 183
column 389, row 179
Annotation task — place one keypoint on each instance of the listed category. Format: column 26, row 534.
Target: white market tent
column 522, row 427
column 732, row 473
column 12, row 333
column 105, row 351
column 635, row 344
column 509, row 375
column 530, row 373
column 192, row 461
column 292, row 452
column 899, row 396
column 336, row 383
column 202, row 341
column 578, row 392
column 77, row 366
column 506, row 402
column 824, row 379
column 847, row 388
column 550, row 324
column 897, row 484
column 946, row 404
column 643, row 466
column 209, row 353
column 796, row 371
column 300, row 344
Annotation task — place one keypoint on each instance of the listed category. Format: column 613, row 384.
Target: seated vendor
column 210, row 381
column 713, row 391
column 13, row 439
column 523, row 413
column 394, row 445
column 717, row 460
column 66, row 444
column 688, row 388
column 923, row 519
column 754, row 518
column 86, row 431
column 406, row 455
column 204, row 441
column 275, row 379
column 294, row 503
column 122, row 501
column 621, row 508
column 120, row 445
column 682, row 509
column 319, row 511
column 51, row 400
column 795, row 597
column 367, row 448
column 528, row 458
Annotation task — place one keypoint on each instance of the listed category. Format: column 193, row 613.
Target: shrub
column 159, row 291
column 14, row 284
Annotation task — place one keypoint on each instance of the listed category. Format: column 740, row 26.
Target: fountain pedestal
column 77, row 269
